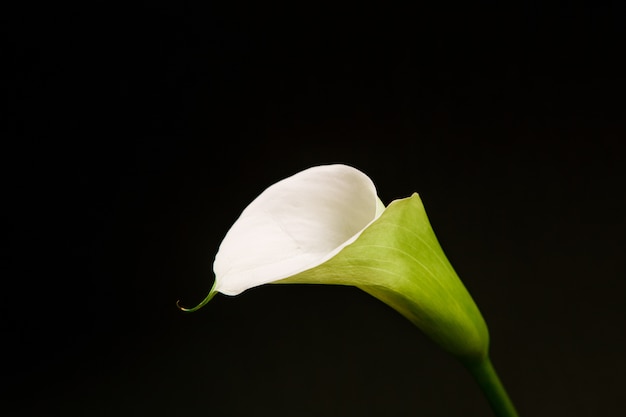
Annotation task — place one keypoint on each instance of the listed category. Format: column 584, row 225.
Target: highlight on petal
column 294, row 225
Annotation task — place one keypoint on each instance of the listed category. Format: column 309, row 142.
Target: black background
column 135, row 135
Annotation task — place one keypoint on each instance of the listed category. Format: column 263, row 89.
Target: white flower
column 295, row 225
column 326, row 225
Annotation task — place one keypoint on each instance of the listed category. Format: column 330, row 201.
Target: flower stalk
column 491, row 385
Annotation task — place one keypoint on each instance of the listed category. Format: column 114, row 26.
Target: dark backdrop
column 135, row 135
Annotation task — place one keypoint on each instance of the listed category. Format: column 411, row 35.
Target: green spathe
column 398, row 260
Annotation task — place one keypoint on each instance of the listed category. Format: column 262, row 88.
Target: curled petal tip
column 181, row 308
column 201, row 304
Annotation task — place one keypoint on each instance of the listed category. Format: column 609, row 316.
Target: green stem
column 492, row 387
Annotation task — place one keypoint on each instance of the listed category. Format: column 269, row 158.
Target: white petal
column 294, row 225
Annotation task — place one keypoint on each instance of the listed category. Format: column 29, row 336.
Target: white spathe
column 295, row 225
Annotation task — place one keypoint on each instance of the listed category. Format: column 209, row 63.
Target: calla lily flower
column 326, row 225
